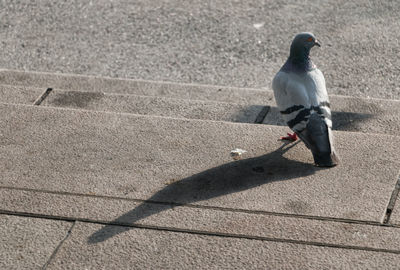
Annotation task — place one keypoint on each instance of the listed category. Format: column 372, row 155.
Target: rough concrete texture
column 152, row 249
column 356, row 114
column 19, row 94
column 349, row 113
column 145, row 105
column 28, row 243
column 136, row 87
column 189, row 161
column 236, row 43
column 395, row 216
column 198, row 219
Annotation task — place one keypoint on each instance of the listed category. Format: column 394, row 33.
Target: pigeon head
column 299, row 59
column 302, row 44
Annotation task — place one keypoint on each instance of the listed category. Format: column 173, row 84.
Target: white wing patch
column 300, row 95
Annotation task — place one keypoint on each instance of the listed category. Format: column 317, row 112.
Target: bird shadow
column 225, row 179
column 349, row 121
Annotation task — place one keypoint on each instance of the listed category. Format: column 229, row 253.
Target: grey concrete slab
column 146, row 105
column 356, row 114
column 28, row 243
column 136, row 87
column 395, row 217
column 137, row 156
column 349, row 113
column 19, row 94
column 199, row 219
column 152, row 249
column 224, row 43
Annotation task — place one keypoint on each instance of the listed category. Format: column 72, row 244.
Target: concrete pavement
column 28, row 243
column 188, row 161
column 91, row 183
column 99, row 93
column 232, row 43
column 155, row 249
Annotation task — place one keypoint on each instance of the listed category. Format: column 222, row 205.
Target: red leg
column 290, row 137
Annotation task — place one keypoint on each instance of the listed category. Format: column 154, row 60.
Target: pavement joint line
column 59, row 246
column 262, row 114
column 42, row 97
column 189, row 231
column 207, row 207
column 392, row 201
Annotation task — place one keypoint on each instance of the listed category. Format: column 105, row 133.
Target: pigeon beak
column 316, row 42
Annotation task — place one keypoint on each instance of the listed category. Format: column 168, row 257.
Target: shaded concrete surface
column 224, row 221
column 28, row 243
column 235, row 43
column 146, row 105
column 143, row 249
column 19, row 94
column 188, row 161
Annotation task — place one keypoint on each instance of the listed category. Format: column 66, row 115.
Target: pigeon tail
column 318, row 138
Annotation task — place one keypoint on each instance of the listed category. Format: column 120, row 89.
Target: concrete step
column 125, row 178
column 349, row 113
column 161, row 106
column 160, row 249
column 136, row 87
column 188, row 161
column 220, row 221
column 19, row 94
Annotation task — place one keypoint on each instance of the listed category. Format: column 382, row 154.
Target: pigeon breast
column 298, row 95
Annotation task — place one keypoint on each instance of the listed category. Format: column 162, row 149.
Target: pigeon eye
column 310, row 39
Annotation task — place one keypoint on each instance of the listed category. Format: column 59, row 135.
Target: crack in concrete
column 392, row 202
column 59, row 245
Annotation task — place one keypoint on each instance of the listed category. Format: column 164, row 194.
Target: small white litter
column 258, row 25
column 237, row 153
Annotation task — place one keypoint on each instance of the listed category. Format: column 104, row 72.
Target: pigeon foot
column 290, row 137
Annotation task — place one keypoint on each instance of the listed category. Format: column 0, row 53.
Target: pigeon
column 302, row 99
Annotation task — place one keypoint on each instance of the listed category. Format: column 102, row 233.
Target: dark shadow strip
column 42, row 97
column 262, row 114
